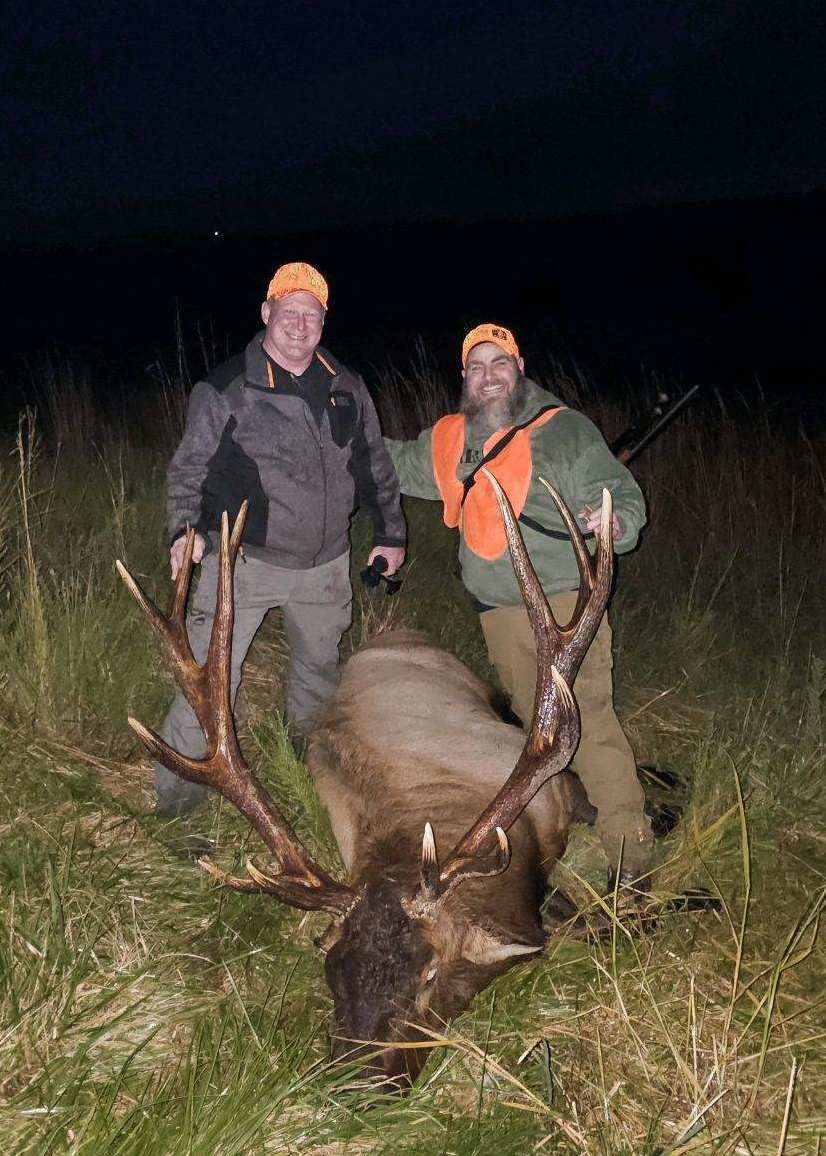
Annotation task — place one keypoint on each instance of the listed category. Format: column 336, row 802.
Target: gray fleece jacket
column 303, row 480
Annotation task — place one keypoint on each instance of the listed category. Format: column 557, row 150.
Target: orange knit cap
column 488, row 332
column 298, row 277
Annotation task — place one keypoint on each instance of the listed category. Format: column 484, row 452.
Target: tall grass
column 142, row 1011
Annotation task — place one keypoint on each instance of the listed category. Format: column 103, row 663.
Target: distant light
column 216, row 232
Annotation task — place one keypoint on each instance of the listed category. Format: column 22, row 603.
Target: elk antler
column 300, row 882
column 554, row 733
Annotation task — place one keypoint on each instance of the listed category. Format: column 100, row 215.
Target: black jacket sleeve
column 206, row 417
column 377, row 486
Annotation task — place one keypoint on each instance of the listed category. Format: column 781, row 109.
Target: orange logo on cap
column 487, row 332
column 298, row 277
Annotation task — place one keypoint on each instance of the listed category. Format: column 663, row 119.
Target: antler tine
column 596, row 575
column 474, row 866
column 430, row 875
column 290, row 891
column 546, row 629
column 532, row 771
column 436, row 885
column 300, row 882
column 580, row 631
column 584, row 561
column 171, row 630
column 218, row 661
column 182, row 581
column 429, row 871
column 554, row 733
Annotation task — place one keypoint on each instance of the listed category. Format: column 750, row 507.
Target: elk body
column 411, row 752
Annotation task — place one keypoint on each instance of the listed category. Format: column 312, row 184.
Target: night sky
column 124, row 119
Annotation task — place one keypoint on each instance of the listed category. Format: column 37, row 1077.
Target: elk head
column 400, row 961
column 401, row 950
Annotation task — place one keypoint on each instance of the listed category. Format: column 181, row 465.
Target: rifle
column 634, row 439
column 629, row 443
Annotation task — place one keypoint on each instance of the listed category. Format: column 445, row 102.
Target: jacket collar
column 256, row 362
column 535, row 398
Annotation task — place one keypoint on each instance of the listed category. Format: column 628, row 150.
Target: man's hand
column 393, row 554
column 176, row 552
column 591, row 517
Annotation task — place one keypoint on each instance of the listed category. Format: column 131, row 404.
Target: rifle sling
column 560, row 535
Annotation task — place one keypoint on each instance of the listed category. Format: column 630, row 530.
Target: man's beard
column 485, row 417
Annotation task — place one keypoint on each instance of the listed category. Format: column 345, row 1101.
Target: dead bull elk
column 411, row 739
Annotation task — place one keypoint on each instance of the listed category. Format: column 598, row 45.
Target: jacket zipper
column 318, row 438
column 324, row 477
column 324, row 509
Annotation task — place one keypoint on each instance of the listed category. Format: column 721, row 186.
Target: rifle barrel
column 626, row 454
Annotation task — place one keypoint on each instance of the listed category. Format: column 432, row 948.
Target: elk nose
column 383, row 1071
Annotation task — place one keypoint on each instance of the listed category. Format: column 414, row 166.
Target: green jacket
column 571, row 454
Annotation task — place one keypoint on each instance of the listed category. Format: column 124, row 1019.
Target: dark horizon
column 727, row 293
column 160, row 232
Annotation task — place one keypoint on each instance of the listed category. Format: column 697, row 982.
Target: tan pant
column 604, row 760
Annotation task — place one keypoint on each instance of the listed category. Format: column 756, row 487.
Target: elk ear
column 481, row 947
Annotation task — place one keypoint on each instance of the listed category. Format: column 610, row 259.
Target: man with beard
column 563, row 446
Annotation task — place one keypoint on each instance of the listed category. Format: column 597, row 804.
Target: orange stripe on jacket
column 479, row 519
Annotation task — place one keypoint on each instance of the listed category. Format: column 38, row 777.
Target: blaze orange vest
column 479, row 518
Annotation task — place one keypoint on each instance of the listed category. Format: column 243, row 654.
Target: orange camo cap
column 298, row 277
column 498, row 334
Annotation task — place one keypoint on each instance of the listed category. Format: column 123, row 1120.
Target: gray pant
column 317, row 608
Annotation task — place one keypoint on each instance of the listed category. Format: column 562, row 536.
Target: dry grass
column 143, row 1011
